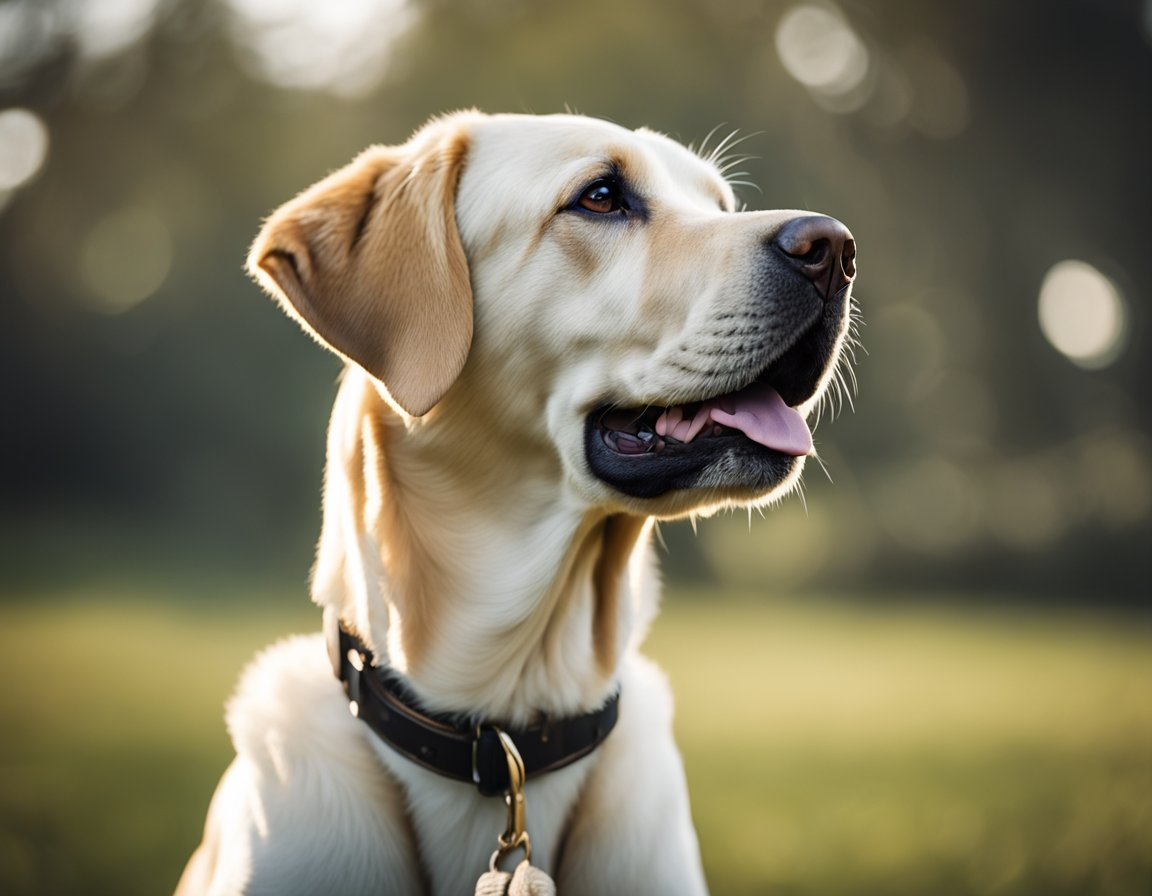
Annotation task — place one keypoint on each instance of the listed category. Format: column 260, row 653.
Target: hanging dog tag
column 526, row 880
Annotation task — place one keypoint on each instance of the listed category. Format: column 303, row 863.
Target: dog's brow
column 590, row 170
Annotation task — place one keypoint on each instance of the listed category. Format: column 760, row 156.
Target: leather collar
column 460, row 748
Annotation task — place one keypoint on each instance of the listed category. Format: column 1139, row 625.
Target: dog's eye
column 601, row 197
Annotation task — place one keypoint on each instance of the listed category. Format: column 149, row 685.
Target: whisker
column 820, row 461
column 729, row 143
column 729, row 162
column 658, row 531
column 851, row 391
column 801, row 493
column 703, row 147
column 722, row 146
column 851, row 370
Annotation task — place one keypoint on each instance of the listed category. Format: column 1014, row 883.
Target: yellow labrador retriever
column 556, row 330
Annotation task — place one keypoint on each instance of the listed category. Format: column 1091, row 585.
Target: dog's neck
column 512, row 600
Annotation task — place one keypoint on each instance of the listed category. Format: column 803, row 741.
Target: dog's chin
column 722, row 466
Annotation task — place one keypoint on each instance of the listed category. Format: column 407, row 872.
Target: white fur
column 465, row 544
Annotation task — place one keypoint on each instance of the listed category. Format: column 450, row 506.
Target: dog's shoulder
column 289, row 708
column 306, row 806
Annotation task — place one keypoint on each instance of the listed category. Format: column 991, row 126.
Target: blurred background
column 945, row 648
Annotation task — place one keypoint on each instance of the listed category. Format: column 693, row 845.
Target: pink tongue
column 757, row 411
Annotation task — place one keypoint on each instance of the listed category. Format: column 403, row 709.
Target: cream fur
column 464, row 536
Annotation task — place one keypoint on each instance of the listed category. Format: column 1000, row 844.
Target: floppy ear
column 369, row 261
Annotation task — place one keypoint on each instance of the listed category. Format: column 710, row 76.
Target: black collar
column 464, row 750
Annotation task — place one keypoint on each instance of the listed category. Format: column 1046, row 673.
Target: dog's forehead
column 551, row 153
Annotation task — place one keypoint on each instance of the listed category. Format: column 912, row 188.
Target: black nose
column 820, row 248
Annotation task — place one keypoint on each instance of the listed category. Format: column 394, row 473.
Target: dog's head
column 568, row 287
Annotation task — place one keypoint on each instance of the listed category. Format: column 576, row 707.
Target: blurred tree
column 157, row 400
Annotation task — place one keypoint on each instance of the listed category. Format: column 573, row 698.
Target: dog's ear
column 369, row 261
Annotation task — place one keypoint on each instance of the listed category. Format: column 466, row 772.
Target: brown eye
column 602, row 197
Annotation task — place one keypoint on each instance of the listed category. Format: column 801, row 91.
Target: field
column 831, row 747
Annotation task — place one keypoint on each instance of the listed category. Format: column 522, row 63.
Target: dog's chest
column 456, row 828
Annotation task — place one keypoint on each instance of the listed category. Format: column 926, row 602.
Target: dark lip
column 680, row 466
column 624, row 450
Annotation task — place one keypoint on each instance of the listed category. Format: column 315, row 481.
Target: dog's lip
column 757, row 412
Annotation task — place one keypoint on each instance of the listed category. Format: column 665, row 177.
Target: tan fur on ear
column 370, row 262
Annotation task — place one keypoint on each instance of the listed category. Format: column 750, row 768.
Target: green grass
column 831, row 748
column 893, row 751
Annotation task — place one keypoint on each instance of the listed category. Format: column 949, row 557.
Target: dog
column 556, row 331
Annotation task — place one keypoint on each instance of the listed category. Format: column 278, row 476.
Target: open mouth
column 741, row 443
column 757, row 411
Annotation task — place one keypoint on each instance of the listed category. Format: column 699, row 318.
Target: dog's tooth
column 682, row 429
column 698, row 422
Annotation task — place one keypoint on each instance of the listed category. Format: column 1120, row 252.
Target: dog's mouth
column 740, row 445
column 757, row 412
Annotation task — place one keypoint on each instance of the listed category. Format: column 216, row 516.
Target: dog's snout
column 820, row 248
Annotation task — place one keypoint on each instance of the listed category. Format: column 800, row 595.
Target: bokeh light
column 1082, row 314
column 103, row 28
column 125, row 258
column 820, row 49
column 23, row 147
column 342, row 48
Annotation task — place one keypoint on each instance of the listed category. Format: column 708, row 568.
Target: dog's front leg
column 632, row 830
